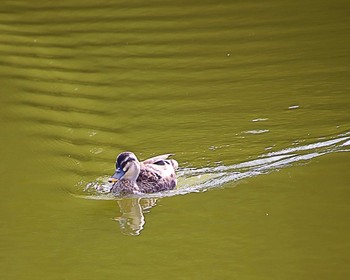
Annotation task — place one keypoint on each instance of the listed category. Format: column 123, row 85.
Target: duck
column 148, row 176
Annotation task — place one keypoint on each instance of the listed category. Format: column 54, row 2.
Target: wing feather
column 153, row 160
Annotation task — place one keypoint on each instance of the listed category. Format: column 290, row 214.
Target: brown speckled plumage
column 152, row 175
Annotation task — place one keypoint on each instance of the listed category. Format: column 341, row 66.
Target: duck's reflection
column 132, row 210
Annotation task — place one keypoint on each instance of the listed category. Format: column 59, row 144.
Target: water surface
column 253, row 98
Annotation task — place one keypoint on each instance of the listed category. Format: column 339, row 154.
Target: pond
column 251, row 97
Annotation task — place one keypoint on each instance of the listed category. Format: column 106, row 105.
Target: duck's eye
column 125, row 164
column 124, row 167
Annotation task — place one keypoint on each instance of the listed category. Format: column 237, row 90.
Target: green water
column 252, row 97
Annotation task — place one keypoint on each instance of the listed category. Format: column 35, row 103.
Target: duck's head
column 127, row 168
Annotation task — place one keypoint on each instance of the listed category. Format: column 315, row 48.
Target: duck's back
column 158, row 176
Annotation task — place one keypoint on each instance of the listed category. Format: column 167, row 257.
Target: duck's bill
column 112, row 180
column 116, row 176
